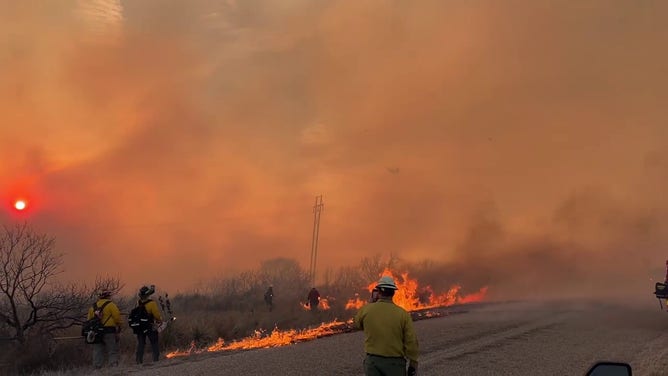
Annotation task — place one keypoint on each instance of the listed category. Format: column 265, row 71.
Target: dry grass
column 229, row 308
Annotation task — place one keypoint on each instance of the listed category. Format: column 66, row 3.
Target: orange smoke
column 275, row 339
column 411, row 297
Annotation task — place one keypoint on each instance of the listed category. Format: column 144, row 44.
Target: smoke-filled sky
column 170, row 141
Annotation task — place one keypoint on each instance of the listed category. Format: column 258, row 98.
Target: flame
column 355, row 303
column 276, row 338
column 410, row 297
column 473, row 298
column 323, row 306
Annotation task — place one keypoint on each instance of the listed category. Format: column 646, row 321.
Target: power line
column 317, row 210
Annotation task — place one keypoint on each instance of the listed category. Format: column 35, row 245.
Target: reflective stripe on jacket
column 152, row 309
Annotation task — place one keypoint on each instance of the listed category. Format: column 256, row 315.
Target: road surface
column 493, row 339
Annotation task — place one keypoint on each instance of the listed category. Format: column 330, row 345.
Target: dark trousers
column 375, row 365
column 141, row 343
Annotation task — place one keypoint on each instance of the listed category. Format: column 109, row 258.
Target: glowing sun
column 20, row 205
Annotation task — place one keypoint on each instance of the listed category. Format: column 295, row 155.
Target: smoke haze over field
column 519, row 143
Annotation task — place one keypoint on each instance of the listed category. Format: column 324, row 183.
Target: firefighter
column 374, row 295
column 666, row 282
column 110, row 316
column 389, row 337
column 269, row 298
column 313, row 299
column 155, row 318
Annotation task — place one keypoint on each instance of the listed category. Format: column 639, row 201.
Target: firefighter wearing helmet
column 153, row 318
column 389, row 338
column 110, row 318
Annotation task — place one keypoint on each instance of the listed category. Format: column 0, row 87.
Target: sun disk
column 20, row 205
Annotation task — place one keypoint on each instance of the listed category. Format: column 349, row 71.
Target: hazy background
column 522, row 145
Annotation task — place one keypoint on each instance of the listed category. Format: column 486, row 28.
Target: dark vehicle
column 610, row 369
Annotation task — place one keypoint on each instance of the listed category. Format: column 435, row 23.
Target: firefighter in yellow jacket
column 110, row 316
column 389, row 337
column 154, row 321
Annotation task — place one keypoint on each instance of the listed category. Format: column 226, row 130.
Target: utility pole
column 317, row 209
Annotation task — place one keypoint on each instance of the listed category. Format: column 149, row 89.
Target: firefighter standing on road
column 374, row 295
column 389, row 337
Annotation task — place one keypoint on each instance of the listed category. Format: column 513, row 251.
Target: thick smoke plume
column 517, row 143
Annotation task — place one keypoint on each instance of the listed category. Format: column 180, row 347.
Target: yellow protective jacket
column 111, row 316
column 388, row 330
column 152, row 309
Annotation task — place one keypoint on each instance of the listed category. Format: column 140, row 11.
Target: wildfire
column 276, row 338
column 323, row 306
column 410, row 297
column 355, row 303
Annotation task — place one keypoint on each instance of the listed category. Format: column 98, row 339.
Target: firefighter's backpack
column 93, row 329
column 140, row 320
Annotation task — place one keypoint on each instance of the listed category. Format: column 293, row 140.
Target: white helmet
column 386, row 282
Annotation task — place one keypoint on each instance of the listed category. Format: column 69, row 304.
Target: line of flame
column 408, row 294
column 406, row 297
column 323, row 306
column 275, row 339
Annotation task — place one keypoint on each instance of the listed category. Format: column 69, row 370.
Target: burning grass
column 412, row 297
column 260, row 339
column 322, row 306
column 419, row 301
column 277, row 338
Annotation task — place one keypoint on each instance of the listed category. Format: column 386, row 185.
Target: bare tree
column 371, row 267
column 350, row 279
column 285, row 275
column 29, row 298
column 108, row 283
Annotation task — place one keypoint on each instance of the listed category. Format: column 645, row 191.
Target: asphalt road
column 555, row 338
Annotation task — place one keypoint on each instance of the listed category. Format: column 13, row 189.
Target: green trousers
column 108, row 346
column 381, row 366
